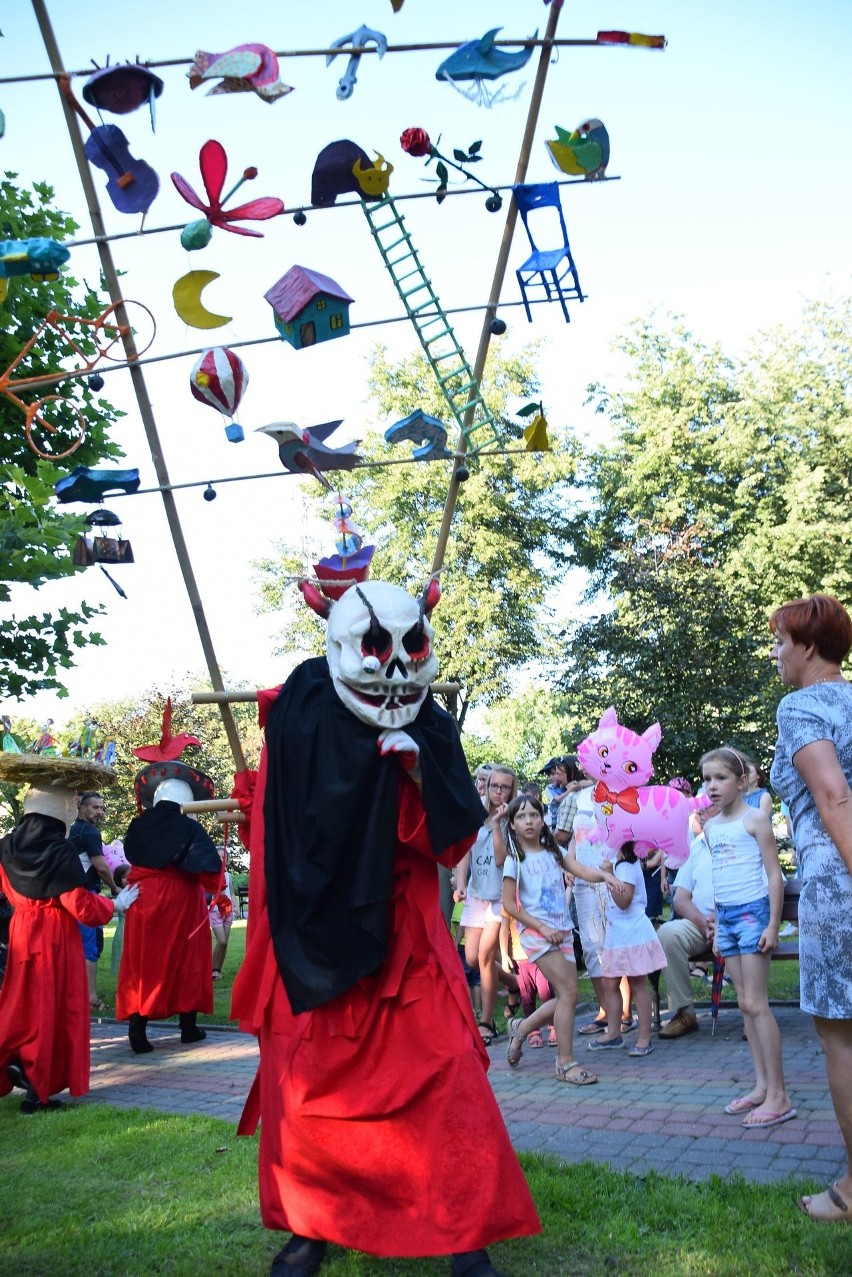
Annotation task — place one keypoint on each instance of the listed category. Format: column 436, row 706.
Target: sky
column 732, row 205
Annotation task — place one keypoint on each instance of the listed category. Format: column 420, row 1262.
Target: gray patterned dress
column 820, row 712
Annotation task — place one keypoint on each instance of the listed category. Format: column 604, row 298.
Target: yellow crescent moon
column 186, row 295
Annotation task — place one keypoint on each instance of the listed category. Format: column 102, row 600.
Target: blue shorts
column 739, row 927
column 93, row 942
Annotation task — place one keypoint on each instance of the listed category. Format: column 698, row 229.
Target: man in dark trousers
column 86, row 835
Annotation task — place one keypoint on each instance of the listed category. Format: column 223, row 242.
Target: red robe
column 44, row 1002
column 165, row 968
column 379, row 1130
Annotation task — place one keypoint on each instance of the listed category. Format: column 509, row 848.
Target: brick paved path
column 663, row 1112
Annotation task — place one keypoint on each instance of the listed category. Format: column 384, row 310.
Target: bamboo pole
column 137, row 378
column 359, row 49
column 497, row 282
column 225, row 697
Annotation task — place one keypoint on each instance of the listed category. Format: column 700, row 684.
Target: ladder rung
column 450, row 354
column 418, row 288
column 400, row 279
column 403, row 239
column 378, row 230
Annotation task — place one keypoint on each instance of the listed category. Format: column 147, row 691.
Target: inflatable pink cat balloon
column 627, row 809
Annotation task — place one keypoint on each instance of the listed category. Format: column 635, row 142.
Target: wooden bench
column 787, row 949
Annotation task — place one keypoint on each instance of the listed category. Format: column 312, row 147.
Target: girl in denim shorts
column 749, row 891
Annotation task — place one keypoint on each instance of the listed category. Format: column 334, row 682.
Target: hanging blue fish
column 479, row 60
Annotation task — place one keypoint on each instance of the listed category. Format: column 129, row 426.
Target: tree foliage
column 506, row 549
column 724, row 492
column 132, row 723
column 37, row 537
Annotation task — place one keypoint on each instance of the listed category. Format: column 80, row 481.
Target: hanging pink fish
column 213, row 163
column 247, row 68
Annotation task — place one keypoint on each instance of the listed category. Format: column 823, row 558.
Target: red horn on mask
column 431, row 596
column 315, row 600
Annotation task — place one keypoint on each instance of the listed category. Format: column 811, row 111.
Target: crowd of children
column 555, row 880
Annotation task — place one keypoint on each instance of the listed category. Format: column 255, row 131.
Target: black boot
column 17, row 1076
column 189, row 1031
column 32, row 1104
column 301, row 1257
column 473, row 1263
column 136, row 1034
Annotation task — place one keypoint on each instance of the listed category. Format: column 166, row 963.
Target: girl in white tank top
column 749, row 890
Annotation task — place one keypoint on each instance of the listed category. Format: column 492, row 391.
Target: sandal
column 217, row 974
column 513, row 1006
column 490, row 1032
column 516, row 1044
column 98, row 1006
column 596, row 1026
column 832, row 1211
column 534, row 1039
column 583, row 1076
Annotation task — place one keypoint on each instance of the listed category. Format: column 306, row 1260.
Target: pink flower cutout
column 213, row 163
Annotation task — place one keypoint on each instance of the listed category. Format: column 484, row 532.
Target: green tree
column 131, row 723
column 36, row 537
column 723, row 492
column 524, row 730
column 508, row 546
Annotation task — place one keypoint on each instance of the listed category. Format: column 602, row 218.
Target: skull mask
column 380, row 652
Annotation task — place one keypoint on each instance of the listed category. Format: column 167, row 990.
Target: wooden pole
column 224, row 696
column 137, row 378
column 497, row 282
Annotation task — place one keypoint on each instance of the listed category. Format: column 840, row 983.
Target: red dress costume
column 44, row 1001
column 366, row 1101
column 165, row 961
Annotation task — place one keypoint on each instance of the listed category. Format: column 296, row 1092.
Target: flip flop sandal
column 596, row 1026
column 843, row 1215
column 582, row 1076
column 490, row 1032
column 217, row 974
column 626, row 1023
column 98, row 1006
column 534, row 1040
column 760, row 1121
column 741, row 1105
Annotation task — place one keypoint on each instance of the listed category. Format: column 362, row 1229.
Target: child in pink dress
column 631, row 947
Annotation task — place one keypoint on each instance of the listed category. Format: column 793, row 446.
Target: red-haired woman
column 812, row 772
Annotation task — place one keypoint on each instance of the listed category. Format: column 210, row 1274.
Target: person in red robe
column 165, row 959
column 372, row 1074
column 44, row 1001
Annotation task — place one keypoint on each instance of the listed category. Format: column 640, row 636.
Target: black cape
column 38, row 859
column 330, row 816
column 163, row 836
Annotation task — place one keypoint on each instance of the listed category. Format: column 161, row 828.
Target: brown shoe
column 681, row 1023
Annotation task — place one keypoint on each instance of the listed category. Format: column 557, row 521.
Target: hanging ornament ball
column 299, row 218
column 462, row 474
column 210, row 493
column 96, row 381
column 497, row 327
column 494, row 203
column 196, row 235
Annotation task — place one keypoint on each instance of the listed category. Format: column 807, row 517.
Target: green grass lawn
column 783, row 981
column 97, row 1192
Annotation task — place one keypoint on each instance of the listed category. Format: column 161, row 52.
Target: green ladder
column 446, row 357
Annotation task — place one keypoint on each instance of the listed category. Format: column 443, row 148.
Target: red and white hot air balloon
column 219, row 378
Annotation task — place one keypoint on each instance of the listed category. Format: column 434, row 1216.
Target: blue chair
column 553, row 269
